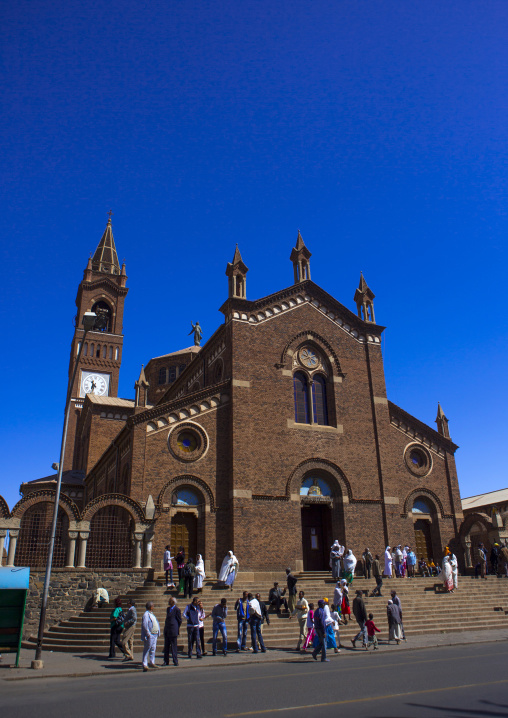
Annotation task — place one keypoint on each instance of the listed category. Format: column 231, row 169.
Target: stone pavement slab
column 65, row 665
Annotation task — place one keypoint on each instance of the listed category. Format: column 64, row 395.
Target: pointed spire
column 105, row 258
column 142, row 378
column 236, row 271
column 87, row 275
column 442, row 422
column 141, row 387
column 300, row 257
column 237, row 258
column 300, row 244
column 364, row 300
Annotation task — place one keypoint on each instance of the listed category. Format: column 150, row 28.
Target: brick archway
column 45, row 496
column 131, row 506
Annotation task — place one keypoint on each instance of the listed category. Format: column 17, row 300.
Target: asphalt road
column 469, row 680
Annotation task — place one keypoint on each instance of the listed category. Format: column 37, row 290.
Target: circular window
column 418, row 460
column 188, row 442
column 309, row 358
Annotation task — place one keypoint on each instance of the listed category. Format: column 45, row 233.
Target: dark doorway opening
column 316, row 533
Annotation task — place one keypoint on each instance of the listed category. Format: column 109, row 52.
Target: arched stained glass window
column 185, row 496
column 162, row 375
column 422, row 506
column 301, row 398
column 319, row 403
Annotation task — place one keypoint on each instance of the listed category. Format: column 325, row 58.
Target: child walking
column 336, row 623
column 371, row 632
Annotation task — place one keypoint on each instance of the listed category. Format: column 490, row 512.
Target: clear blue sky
column 377, row 128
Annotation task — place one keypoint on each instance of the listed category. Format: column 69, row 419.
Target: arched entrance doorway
column 426, row 530
column 184, row 521
column 316, row 508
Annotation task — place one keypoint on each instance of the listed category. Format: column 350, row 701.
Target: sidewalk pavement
column 68, row 665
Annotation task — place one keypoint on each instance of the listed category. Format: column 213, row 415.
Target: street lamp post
column 90, row 322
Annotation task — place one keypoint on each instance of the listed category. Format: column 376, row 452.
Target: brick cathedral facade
column 272, row 439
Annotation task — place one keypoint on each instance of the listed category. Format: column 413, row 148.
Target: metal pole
column 38, row 663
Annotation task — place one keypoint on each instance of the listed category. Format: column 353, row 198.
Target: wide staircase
column 475, row 605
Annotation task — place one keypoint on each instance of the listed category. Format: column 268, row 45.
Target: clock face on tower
column 94, row 383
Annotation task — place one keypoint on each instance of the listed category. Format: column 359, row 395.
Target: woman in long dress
column 349, row 566
column 200, row 573
column 455, row 569
column 388, row 562
column 447, row 574
column 345, row 608
column 229, row 569
column 394, row 622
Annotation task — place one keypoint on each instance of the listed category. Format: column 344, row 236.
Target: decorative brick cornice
column 104, row 283
column 266, row 497
column 421, row 432
column 175, row 404
column 299, row 294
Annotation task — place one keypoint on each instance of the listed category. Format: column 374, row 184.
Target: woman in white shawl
column 388, row 562
column 229, row 569
column 446, row 574
column 349, row 566
column 200, row 573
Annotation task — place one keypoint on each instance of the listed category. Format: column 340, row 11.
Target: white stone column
column 83, row 538
column 148, row 553
column 3, row 534
column 138, row 538
column 13, row 539
column 73, row 535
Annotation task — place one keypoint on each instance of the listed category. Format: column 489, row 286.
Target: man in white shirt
column 149, row 634
column 255, row 624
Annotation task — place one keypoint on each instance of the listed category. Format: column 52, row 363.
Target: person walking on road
column 129, row 626
column 320, row 629
column 310, row 629
column 396, row 601
column 394, row 622
column 372, row 629
column 149, row 634
column 360, row 614
column 172, row 631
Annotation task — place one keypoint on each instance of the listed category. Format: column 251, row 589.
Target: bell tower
column 236, row 272
column 300, row 257
column 102, row 291
column 364, row 300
